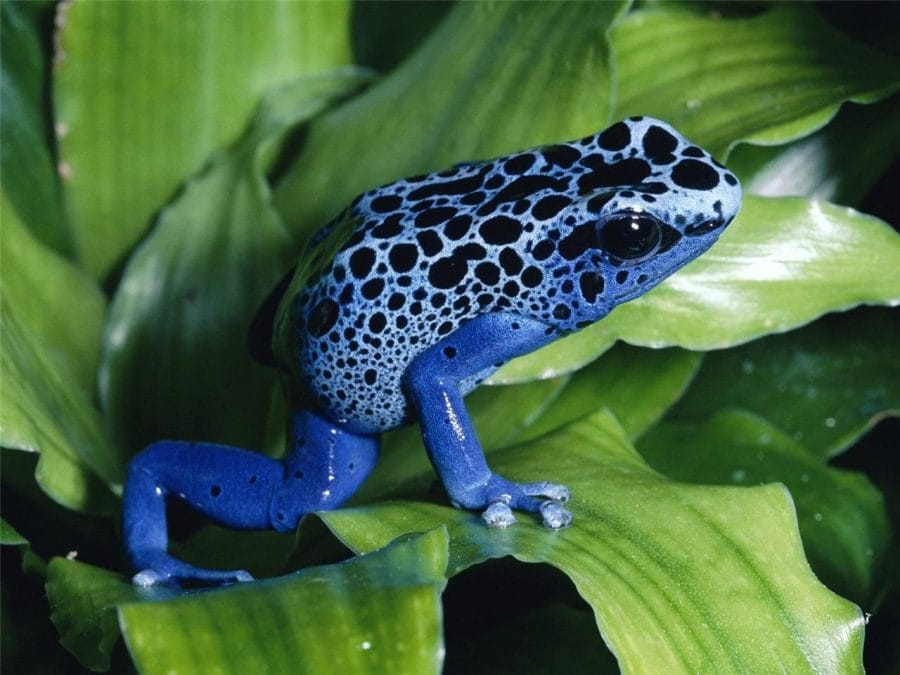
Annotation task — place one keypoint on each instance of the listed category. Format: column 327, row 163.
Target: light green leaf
column 824, row 385
column 842, row 518
column 51, row 316
column 216, row 252
column 767, row 79
column 636, row 385
column 29, row 173
column 492, row 78
column 379, row 613
column 681, row 578
column 839, row 163
column 782, row 263
column 144, row 92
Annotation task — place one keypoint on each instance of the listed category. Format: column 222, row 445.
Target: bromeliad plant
column 196, row 147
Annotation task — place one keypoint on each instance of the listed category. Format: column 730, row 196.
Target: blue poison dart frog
column 415, row 294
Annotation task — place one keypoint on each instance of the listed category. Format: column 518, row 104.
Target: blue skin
column 416, row 293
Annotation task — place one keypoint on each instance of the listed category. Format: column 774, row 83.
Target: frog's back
column 411, row 261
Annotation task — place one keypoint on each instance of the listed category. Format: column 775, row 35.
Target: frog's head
column 671, row 202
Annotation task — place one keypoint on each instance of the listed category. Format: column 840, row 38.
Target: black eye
column 631, row 236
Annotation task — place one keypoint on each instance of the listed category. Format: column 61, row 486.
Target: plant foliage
column 729, row 437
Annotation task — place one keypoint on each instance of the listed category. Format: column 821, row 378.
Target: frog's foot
column 502, row 497
column 163, row 569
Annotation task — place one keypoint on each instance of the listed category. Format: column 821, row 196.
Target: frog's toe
column 503, row 497
column 498, row 514
column 555, row 516
column 149, row 578
column 553, row 491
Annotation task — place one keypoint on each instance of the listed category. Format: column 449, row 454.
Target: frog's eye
column 631, row 236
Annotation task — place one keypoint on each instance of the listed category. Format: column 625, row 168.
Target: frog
column 414, row 295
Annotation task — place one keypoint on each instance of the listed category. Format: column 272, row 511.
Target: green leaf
column 825, row 385
column 29, row 173
column 839, row 163
column 61, row 306
column 144, row 92
column 773, row 269
column 636, row 385
column 215, row 253
column 492, row 78
column 842, row 518
column 51, row 316
column 9, row 536
column 379, row 613
column 681, row 578
column 83, row 601
column 385, row 33
column 767, row 79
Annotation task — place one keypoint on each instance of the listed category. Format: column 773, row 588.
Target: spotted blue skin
column 416, row 293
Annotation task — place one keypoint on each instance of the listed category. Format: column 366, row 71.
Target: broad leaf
column 680, row 577
column 767, row 79
column 839, row 163
column 213, row 257
column 29, row 172
column 492, row 78
column 83, row 601
column 9, row 536
column 775, row 268
column 636, row 385
column 144, row 92
column 824, row 385
column 379, row 613
column 842, row 519
column 51, row 316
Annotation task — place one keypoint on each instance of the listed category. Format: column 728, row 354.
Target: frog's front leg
column 239, row 489
column 433, row 380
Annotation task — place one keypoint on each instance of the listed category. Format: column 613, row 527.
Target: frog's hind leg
column 230, row 485
column 433, row 382
column 237, row 488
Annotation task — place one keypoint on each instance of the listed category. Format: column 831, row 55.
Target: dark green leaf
column 824, row 385
column 384, row 33
column 29, row 173
column 216, row 252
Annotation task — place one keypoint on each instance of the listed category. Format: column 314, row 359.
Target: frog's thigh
column 432, row 381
